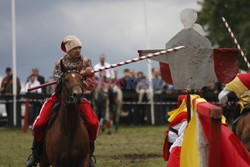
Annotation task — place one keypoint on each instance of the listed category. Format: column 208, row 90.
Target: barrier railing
column 130, row 99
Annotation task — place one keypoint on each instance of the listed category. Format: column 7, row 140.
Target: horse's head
column 72, row 87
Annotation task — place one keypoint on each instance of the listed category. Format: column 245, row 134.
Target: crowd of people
column 135, row 86
column 6, row 90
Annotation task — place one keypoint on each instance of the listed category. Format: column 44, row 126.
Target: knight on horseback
column 73, row 58
column 240, row 86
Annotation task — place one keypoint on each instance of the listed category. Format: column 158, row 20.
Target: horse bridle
column 70, row 99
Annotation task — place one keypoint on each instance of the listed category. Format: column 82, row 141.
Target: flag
column 195, row 147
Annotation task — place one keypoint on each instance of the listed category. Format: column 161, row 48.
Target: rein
column 70, row 99
column 243, row 114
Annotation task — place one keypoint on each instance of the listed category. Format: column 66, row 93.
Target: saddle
column 55, row 111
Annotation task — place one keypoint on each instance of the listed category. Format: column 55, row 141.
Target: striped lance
column 120, row 64
column 236, row 42
column 151, row 55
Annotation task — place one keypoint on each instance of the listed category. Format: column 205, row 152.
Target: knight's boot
column 236, row 117
column 92, row 157
column 36, row 152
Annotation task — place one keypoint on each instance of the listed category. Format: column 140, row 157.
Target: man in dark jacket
column 7, row 90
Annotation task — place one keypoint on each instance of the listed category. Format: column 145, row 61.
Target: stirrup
column 92, row 161
column 35, row 159
column 92, row 156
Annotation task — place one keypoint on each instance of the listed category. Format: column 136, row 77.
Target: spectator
column 39, row 78
column 131, row 89
column 211, row 89
column 123, row 84
column 34, row 107
column 131, row 81
column 126, row 72
column 102, row 63
column 33, row 82
column 115, row 74
column 139, row 75
column 107, row 76
column 168, row 88
column 7, row 90
column 168, row 91
column 50, row 89
column 132, row 73
column 142, row 89
column 123, row 80
column 157, row 82
column 160, row 112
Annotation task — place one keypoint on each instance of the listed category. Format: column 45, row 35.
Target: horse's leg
column 107, row 117
column 245, row 137
column 43, row 164
column 243, row 131
column 86, row 161
column 102, row 121
column 117, row 114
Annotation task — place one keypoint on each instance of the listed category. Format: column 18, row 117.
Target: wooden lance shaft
column 42, row 85
column 151, row 55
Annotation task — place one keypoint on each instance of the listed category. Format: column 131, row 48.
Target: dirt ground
column 129, row 147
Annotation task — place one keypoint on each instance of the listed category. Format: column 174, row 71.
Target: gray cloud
column 114, row 27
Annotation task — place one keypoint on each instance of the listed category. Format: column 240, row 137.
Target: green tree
column 237, row 14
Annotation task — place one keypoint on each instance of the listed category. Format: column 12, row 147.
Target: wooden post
column 26, row 116
column 214, row 159
column 188, row 107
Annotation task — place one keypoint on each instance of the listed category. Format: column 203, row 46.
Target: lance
column 151, row 55
column 42, row 85
column 236, row 42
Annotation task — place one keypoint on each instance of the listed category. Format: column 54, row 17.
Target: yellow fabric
column 244, row 99
column 236, row 86
column 189, row 151
column 198, row 100
column 223, row 120
column 240, row 91
column 174, row 113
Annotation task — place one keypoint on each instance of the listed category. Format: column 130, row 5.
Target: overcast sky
column 113, row 27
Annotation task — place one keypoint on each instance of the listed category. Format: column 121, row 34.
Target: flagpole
column 149, row 67
column 13, row 14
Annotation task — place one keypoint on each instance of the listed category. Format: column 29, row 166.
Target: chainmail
column 70, row 64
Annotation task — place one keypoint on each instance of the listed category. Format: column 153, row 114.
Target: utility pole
column 14, row 76
column 149, row 67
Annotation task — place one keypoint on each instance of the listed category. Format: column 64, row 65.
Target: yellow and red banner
column 198, row 135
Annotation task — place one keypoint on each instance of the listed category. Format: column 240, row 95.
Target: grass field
column 130, row 147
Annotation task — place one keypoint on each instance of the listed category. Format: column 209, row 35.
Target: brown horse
column 66, row 141
column 243, row 129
